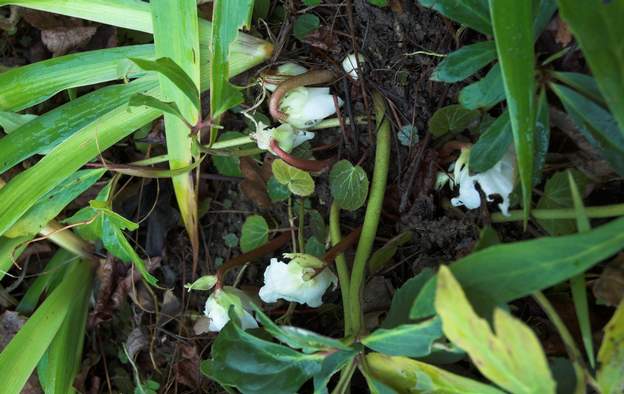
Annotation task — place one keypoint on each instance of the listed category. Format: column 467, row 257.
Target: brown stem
column 242, row 259
column 302, row 164
column 343, row 245
column 313, row 77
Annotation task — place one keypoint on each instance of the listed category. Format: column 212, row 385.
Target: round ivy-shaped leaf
column 254, row 234
column 231, row 240
column 276, row 191
column 348, row 184
column 298, row 182
column 304, row 25
column 452, row 119
column 408, row 135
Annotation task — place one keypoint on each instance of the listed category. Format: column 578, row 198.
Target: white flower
column 305, row 107
column 497, row 180
column 218, row 305
column 350, row 65
column 287, row 137
column 285, row 70
column 294, row 282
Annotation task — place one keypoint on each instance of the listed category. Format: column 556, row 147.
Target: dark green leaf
column 253, row 365
column 545, row 11
column 464, row 62
column 311, row 3
column 349, row 185
column 472, row 13
column 583, row 83
column 452, row 119
column 378, row 3
column 276, row 191
column 412, row 340
column 229, row 165
column 317, row 225
column 175, row 74
column 314, row 247
column 487, row 237
column 255, row 233
column 491, row 145
column 512, row 23
column 503, row 273
column 484, row 93
column 598, row 28
column 304, row 25
column 557, row 195
column 404, row 298
column 596, row 124
column 408, row 135
column 384, row 255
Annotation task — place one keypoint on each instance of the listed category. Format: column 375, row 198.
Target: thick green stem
column 373, row 213
column 606, row 211
column 341, row 266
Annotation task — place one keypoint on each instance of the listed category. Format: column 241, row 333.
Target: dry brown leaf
column 563, row 35
column 610, row 285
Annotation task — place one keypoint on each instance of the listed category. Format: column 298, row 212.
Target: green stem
column 373, row 213
column 301, row 223
column 335, row 122
column 341, row 265
column 606, row 211
column 238, row 141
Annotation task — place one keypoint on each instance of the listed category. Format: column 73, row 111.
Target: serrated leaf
column 511, row 357
column 411, row 340
column 503, row 273
column 484, row 93
column 349, row 185
column 255, row 233
column 464, row 62
column 491, row 145
column 298, row 182
column 304, row 25
column 452, row 119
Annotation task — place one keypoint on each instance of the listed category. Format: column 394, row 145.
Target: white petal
column 306, row 107
column 288, row 69
column 349, row 64
column 468, row 194
column 286, row 281
column 217, row 314
column 302, row 136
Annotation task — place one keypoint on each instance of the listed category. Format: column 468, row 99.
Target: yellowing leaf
column 611, row 355
column 512, row 357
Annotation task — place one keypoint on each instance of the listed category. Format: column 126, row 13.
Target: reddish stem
column 242, row 259
column 313, row 77
column 302, row 164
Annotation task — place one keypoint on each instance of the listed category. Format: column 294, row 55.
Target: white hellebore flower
column 296, row 282
column 219, row 303
column 287, row 137
column 285, row 70
column 350, row 64
column 497, row 180
column 306, row 107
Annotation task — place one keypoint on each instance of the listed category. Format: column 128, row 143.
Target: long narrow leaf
column 176, row 36
column 20, row 357
column 598, row 28
column 512, row 21
column 23, row 87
